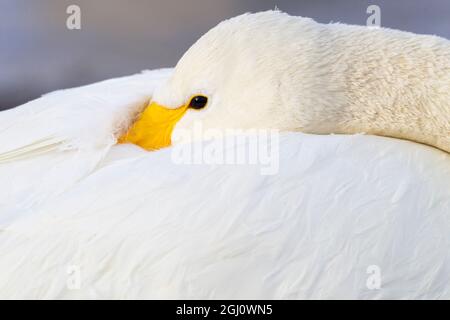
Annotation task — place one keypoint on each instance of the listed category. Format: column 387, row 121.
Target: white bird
column 48, row 144
column 344, row 216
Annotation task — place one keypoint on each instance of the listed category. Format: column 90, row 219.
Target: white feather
column 131, row 224
column 49, row 143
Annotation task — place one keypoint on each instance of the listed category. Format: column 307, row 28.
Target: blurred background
column 39, row 54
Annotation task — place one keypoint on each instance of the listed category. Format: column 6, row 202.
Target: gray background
column 39, row 54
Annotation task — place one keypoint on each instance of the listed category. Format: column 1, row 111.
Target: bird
column 357, row 208
column 273, row 70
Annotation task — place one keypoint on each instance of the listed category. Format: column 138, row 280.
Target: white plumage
column 128, row 223
column 62, row 136
column 144, row 227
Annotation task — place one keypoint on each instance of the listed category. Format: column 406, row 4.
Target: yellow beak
column 153, row 129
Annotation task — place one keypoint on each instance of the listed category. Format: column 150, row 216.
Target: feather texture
column 51, row 142
column 142, row 226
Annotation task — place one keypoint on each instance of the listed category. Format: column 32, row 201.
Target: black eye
column 198, row 102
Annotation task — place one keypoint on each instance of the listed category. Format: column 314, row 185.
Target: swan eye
column 198, row 102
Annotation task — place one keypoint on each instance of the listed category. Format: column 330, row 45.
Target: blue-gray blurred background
column 39, row 54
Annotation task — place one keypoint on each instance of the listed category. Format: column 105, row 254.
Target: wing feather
column 49, row 143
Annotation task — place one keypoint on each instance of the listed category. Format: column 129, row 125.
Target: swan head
column 270, row 70
column 230, row 78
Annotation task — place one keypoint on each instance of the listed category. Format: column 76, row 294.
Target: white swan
column 345, row 216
